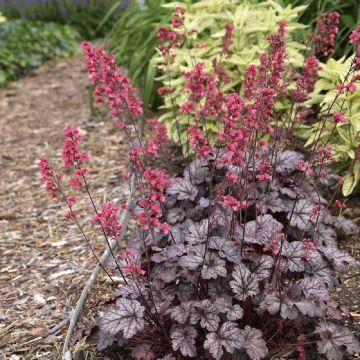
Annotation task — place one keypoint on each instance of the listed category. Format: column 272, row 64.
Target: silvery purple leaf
column 167, row 357
column 291, row 256
column 308, row 308
column 324, row 235
column 184, row 190
column 253, row 343
column 334, row 339
column 213, row 267
column 197, row 171
column 181, row 313
column 175, row 215
column 263, row 266
column 105, row 340
column 262, row 230
column 166, row 272
column 216, row 242
column 191, row 261
column 341, row 222
column 127, row 317
column 205, row 312
column 341, row 259
column 272, row 202
column 132, row 290
column 183, row 339
column 143, row 352
column 197, row 232
column 177, row 233
column 228, row 337
column 231, row 251
column 233, row 312
column 204, row 202
column 170, row 253
column 301, row 215
column 222, row 216
column 244, row 283
column 314, row 288
column 292, row 192
column 286, row 161
column 271, row 303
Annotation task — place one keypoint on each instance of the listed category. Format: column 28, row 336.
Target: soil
column 44, row 261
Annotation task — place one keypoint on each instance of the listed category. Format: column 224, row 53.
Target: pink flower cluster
column 71, row 153
column 355, row 39
column 228, row 38
column 49, row 179
column 306, row 82
column 108, row 218
column 326, row 30
column 170, row 38
column 112, row 86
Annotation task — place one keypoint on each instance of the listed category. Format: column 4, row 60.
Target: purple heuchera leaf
column 127, row 317
column 272, row 202
column 314, row 288
column 105, row 340
column 334, row 338
column 228, row 337
column 253, row 343
column 131, row 290
column 197, row 172
column 183, row 339
column 263, row 230
column 197, row 232
column 324, row 235
column 181, row 313
column 341, row 259
column 301, row 215
column 175, row 215
column 245, row 284
column 292, row 254
column 271, row 303
column 184, row 190
column 143, row 352
column 233, row 312
column 286, row 161
column 213, row 267
column 231, row 251
column 170, row 253
column 205, row 312
column 191, row 261
column 308, row 308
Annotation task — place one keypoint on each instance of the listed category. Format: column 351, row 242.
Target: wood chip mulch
column 44, row 261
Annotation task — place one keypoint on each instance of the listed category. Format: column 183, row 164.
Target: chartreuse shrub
column 205, row 26
column 341, row 111
column 233, row 256
column 25, row 45
column 2, row 18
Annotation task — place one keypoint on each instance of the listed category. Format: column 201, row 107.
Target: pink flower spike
column 108, row 218
column 340, row 204
column 339, row 118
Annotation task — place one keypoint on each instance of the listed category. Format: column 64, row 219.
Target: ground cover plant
column 25, row 45
column 234, row 256
column 84, row 16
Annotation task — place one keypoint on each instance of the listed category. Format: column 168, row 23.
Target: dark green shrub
column 25, row 45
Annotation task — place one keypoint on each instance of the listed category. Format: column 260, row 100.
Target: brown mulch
column 44, row 261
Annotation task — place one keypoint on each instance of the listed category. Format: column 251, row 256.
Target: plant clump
column 235, row 256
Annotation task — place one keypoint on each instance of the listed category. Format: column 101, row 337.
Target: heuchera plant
column 236, row 257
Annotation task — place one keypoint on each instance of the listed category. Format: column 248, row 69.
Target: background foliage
column 343, row 137
column 84, row 15
column 25, row 45
column 252, row 22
